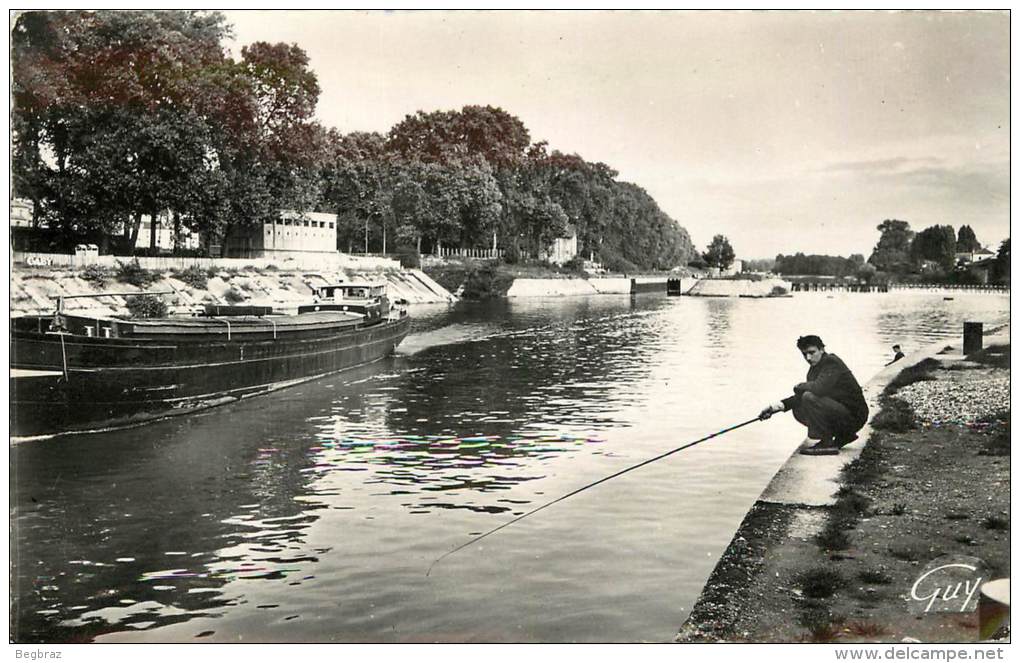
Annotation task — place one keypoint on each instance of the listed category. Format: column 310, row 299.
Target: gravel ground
column 958, row 402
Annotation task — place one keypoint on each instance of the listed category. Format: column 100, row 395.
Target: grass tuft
column 917, row 373
column 820, row 583
column 896, row 416
column 996, row 523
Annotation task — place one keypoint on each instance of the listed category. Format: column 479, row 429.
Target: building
column 967, row 257
column 292, row 234
column 164, row 234
column 563, row 249
column 21, row 213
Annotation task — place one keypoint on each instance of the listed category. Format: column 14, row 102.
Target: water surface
column 312, row 514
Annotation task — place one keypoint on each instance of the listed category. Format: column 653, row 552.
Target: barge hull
column 74, row 385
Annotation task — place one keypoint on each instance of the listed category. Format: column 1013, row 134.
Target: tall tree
column 966, row 240
column 1001, row 267
column 892, row 253
column 936, row 243
column 719, row 254
column 105, row 112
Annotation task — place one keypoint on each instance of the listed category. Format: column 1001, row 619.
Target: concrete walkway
column 813, row 480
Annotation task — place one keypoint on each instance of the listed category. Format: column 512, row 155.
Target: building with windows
column 292, row 234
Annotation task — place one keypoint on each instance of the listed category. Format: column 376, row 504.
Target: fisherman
column 830, row 402
column 897, row 356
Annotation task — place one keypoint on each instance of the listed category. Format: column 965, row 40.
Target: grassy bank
column 932, row 480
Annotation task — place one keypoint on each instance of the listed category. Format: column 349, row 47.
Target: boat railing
column 60, row 298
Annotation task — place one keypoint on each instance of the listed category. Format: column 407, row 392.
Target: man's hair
column 804, row 342
column 895, row 347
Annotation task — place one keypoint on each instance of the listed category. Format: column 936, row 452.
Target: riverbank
column 830, row 551
column 35, row 289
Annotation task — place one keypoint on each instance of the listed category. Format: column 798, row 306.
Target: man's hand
column 770, row 410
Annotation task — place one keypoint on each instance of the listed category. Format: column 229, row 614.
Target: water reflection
column 338, row 491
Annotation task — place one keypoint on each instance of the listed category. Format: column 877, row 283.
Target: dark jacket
column 831, row 378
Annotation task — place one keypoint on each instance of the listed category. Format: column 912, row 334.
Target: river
column 312, row 514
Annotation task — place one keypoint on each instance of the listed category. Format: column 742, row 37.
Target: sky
column 783, row 131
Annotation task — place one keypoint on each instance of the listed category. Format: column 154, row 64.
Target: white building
column 563, row 249
column 293, row 233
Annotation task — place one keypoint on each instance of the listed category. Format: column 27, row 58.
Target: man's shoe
column 823, row 448
column 843, row 441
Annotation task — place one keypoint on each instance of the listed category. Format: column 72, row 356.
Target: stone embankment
column 570, row 287
column 35, row 290
column 739, row 288
column 831, row 550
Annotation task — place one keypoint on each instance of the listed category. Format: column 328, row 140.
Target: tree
column 892, row 253
column 935, row 243
column 451, row 136
column 966, row 240
column 1001, row 268
column 107, row 112
column 719, row 254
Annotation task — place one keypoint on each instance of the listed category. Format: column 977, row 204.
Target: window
column 330, row 225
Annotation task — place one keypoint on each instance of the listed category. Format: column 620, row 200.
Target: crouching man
column 830, row 402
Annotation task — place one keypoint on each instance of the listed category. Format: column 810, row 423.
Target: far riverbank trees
column 120, row 114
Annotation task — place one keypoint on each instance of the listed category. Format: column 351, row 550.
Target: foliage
column 194, row 276
column 996, row 523
column 820, row 583
column 574, row 266
column 935, row 243
column 120, row 114
column 778, row 291
column 486, row 282
column 125, row 113
column 816, row 265
column 234, row 296
column 918, row 372
column 966, row 240
column 761, row 265
column 994, row 355
column 719, row 253
column 146, row 306
column 134, row 274
column 892, row 253
column 1000, row 268
column 95, row 275
column 409, row 257
column 896, row 416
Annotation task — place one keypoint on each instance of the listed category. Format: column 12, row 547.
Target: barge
column 75, row 373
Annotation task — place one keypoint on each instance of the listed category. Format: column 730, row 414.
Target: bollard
column 972, row 337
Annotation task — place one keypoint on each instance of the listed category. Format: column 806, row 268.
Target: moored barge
column 74, row 373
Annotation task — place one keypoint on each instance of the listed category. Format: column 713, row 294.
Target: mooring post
column 973, row 333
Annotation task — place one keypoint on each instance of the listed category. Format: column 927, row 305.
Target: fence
column 491, row 254
column 163, row 263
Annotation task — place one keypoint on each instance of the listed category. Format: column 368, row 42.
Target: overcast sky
column 783, row 131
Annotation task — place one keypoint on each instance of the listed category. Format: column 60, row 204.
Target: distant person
column 897, row 356
column 829, row 402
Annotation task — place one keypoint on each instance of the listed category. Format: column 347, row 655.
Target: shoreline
column 862, row 524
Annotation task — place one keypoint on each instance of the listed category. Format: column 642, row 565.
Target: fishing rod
column 590, row 485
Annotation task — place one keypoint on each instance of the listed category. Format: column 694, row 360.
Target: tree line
column 901, row 254
column 120, row 114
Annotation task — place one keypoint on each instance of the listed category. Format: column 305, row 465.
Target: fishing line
column 583, row 488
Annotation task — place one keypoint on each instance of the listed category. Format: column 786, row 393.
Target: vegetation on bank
column 903, row 256
column 119, row 114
